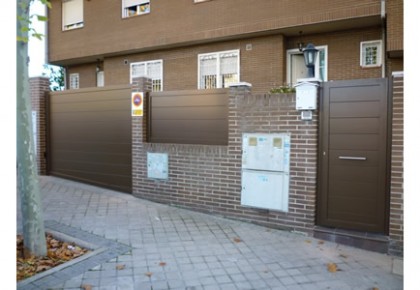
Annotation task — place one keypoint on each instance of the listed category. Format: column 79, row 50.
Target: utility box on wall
column 265, row 170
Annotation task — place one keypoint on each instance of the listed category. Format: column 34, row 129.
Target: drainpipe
column 383, row 23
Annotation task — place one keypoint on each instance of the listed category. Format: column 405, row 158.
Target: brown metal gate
column 90, row 136
column 353, row 155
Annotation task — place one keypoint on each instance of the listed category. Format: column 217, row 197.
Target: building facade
column 191, row 45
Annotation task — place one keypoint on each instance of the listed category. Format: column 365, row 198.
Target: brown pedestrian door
column 353, row 155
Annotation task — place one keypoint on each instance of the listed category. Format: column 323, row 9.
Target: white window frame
column 291, row 52
column 199, row 1
column 137, row 5
column 364, row 45
column 218, row 73
column 74, row 82
column 155, row 81
column 76, row 20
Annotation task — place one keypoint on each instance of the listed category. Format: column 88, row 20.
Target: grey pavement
column 146, row 245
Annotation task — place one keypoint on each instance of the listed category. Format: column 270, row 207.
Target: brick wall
column 395, row 26
column 39, row 87
column 208, row 178
column 396, row 222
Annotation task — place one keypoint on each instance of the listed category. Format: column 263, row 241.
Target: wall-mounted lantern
column 310, row 54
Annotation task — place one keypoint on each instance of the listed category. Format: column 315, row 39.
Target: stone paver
column 171, row 248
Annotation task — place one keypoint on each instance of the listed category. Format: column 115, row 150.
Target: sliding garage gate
column 90, row 136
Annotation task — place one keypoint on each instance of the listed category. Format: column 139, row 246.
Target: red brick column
column 39, row 87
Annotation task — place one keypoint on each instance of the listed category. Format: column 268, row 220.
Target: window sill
column 370, row 66
column 136, row 15
column 73, row 26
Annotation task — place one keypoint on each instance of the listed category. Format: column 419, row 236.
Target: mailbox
column 306, row 96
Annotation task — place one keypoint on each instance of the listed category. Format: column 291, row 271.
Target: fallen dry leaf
column 120, row 267
column 320, row 242
column 237, row 240
column 86, row 287
column 343, row 256
column 375, row 288
column 332, row 267
column 162, row 264
column 148, row 274
column 308, row 241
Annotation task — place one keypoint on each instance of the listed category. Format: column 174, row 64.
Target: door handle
column 359, row 158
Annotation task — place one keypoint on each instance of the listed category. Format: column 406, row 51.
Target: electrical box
column 306, row 96
column 157, row 165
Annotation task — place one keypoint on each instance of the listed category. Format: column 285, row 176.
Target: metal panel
column 90, row 136
column 269, row 152
column 189, row 117
column 353, row 158
column 265, row 189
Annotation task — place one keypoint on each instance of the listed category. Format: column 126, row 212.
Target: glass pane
column 321, row 59
column 208, row 82
column 208, row 66
column 156, row 85
column 298, row 69
column 228, row 64
column 229, row 79
column 371, row 53
column 138, row 70
column 154, row 70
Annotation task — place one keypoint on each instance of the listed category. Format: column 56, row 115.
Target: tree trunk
column 27, row 175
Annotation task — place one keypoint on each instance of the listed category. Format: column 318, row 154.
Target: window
column 151, row 69
column 371, row 53
column 135, row 7
column 72, row 14
column 218, row 70
column 74, row 81
column 296, row 68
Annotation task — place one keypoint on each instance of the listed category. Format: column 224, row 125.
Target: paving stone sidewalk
column 171, row 248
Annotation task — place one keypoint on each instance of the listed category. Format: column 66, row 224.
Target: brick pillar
column 139, row 132
column 237, row 93
column 39, row 87
column 396, row 220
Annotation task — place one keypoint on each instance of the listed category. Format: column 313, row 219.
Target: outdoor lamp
column 310, row 53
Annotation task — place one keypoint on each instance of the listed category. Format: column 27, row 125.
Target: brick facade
column 264, row 65
column 39, row 87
